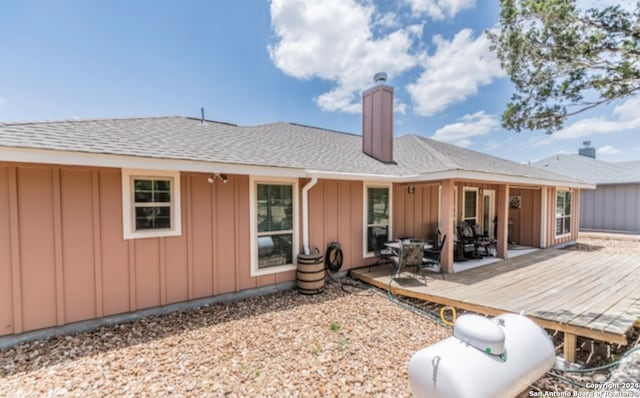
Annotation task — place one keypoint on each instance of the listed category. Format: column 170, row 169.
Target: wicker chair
column 410, row 254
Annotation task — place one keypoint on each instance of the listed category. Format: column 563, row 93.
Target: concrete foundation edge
column 90, row 324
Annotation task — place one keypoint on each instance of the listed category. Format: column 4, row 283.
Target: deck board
column 587, row 288
column 608, row 300
column 588, row 294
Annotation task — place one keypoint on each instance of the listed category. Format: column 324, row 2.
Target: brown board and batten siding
column 415, row 210
column 552, row 239
column 336, row 215
column 6, row 292
column 63, row 257
column 525, row 229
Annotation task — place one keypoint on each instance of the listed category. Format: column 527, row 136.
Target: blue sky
column 258, row 61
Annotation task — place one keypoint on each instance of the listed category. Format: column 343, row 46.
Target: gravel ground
column 283, row 345
column 626, row 245
column 343, row 343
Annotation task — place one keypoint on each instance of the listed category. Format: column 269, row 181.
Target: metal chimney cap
column 380, row 77
column 586, row 143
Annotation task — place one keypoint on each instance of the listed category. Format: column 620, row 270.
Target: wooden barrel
column 310, row 273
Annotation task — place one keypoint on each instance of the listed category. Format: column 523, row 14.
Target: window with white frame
column 378, row 211
column 150, row 203
column 274, row 226
column 470, row 205
column 563, row 212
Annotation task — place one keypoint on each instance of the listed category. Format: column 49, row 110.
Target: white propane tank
column 485, row 358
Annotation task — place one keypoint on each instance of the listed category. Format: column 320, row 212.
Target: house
column 614, row 205
column 104, row 217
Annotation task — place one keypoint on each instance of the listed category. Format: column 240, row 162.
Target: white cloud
column 609, row 150
column 456, row 70
column 491, row 145
column 399, row 106
column 625, row 117
column 627, row 110
column 439, row 9
column 469, row 126
column 388, row 20
column 333, row 40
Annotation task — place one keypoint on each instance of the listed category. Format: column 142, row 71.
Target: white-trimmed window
column 563, row 212
column 377, row 217
column 470, row 205
column 150, row 203
column 274, row 226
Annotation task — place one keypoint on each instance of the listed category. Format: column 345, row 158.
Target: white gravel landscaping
column 341, row 343
column 282, row 345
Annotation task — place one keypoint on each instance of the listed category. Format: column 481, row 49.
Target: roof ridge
column 425, row 142
column 309, row 127
column 208, row 120
column 93, row 120
column 601, row 162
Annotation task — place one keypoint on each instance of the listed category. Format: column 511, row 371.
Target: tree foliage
column 564, row 61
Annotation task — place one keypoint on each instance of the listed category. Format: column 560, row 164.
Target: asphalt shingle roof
column 440, row 156
column 633, row 165
column 592, row 170
column 276, row 144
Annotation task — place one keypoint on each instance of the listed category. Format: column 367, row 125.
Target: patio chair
column 431, row 261
column 467, row 239
column 484, row 242
column 438, row 238
column 472, row 241
column 409, row 255
column 383, row 255
column 382, row 252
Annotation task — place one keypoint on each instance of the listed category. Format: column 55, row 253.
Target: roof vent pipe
column 202, row 115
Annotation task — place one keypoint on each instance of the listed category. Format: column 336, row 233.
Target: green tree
column 563, row 60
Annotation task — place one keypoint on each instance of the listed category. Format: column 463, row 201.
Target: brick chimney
column 377, row 120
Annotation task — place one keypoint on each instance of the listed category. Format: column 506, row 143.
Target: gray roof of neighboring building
column 276, row 144
column 592, row 170
column 633, row 165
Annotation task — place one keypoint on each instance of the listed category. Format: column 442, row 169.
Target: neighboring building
column 615, row 203
column 633, row 165
column 587, row 150
column 102, row 217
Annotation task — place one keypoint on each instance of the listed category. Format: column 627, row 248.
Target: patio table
column 395, row 245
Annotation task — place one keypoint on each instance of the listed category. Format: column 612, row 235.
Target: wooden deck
column 586, row 294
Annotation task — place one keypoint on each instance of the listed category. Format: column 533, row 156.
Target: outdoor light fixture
column 221, row 177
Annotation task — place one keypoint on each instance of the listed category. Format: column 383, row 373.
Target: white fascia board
column 135, row 162
column 49, row 156
column 499, row 178
column 339, row 175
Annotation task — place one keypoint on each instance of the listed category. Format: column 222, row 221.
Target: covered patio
column 583, row 294
column 519, row 214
